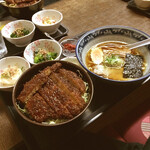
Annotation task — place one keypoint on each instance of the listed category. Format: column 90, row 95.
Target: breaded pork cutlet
column 49, row 96
column 38, row 109
column 23, row 1
column 36, row 82
column 69, row 84
column 64, row 98
column 74, row 79
column 77, row 98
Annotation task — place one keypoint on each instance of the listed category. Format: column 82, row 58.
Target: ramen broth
column 107, row 59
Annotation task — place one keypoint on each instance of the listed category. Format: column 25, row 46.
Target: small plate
column 72, row 60
column 68, row 46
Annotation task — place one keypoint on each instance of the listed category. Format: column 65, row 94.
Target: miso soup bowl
column 113, row 33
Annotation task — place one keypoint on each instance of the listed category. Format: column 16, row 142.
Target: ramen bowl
column 123, row 34
column 11, row 27
column 28, row 75
column 24, row 11
column 47, row 20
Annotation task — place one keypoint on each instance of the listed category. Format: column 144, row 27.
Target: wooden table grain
column 81, row 16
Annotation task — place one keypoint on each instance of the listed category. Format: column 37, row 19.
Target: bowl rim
column 3, row 3
column 105, row 27
column 62, row 123
column 20, row 20
column 14, row 57
column 47, row 10
column 50, row 40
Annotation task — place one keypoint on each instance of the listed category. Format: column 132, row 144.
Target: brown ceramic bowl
column 27, row 75
column 25, row 12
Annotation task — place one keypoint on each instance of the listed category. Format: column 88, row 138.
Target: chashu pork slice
column 32, row 86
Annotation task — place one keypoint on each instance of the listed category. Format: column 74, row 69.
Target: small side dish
column 11, row 68
column 113, row 60
column 42, row 54
column 10, row 75
column 48, row 20
column 42, row 50
column 19, row 33
column 68, row 46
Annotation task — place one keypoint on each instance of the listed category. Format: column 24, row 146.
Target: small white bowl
column 52, row 14
column 9, row 28
column 73, row 60
column 10, row 62
column 51, row 45
column 143, row 4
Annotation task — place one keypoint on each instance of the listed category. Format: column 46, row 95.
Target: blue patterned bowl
column 113, row 33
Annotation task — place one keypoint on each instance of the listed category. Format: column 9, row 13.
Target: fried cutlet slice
column 36, row 82
column 69, row 84
column 49, row 96
column 61, row 84
column 38, row 109
column 22, row 1
column 63, row 98
column 74, row 79
column 10, row 1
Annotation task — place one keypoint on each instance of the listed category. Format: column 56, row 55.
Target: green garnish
column 113, row 61
column 5, row 75
column 19, row 33
column 23, row 110
column 85, row 96
column 42, row 55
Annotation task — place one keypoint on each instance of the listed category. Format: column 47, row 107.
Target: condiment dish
column 68, row 46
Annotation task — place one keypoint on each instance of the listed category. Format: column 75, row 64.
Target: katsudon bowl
column 24, row 11
column 92, row 41
column 22, row 108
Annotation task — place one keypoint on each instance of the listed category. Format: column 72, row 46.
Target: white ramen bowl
column 9, row 62
column 9, row 28
column 52, row 14
column 51, row 45
column 113, row 33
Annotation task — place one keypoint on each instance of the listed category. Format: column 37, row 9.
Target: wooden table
column 81, row 16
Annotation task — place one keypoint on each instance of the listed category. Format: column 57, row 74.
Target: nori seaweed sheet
column 133, row 66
